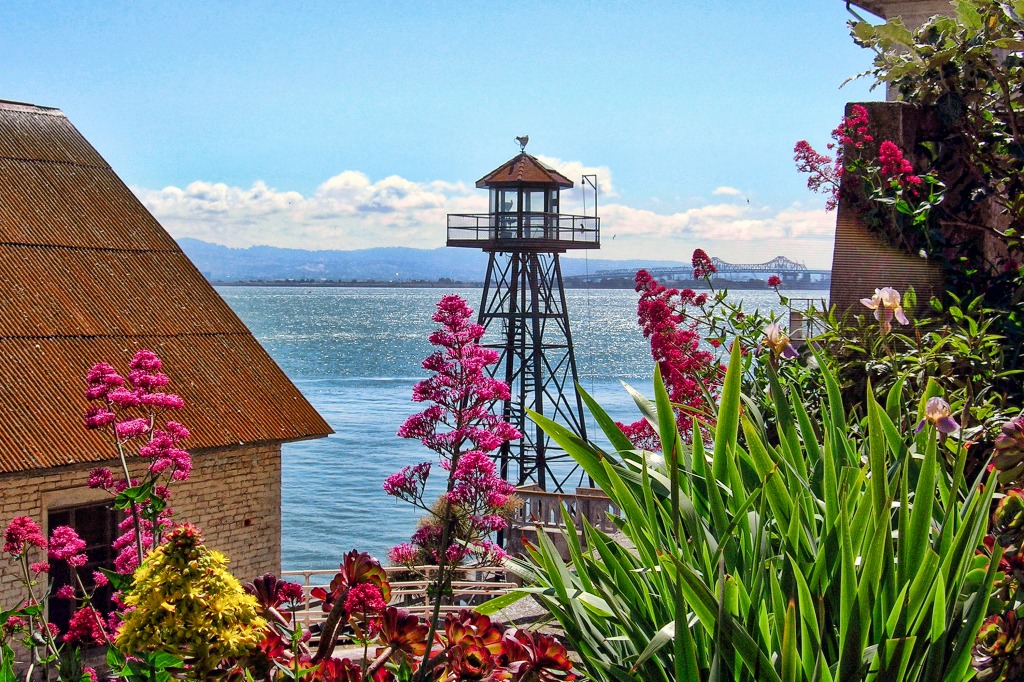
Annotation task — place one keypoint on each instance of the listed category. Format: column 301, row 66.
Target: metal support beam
column 524, row 311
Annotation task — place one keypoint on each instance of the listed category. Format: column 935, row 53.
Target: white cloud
column 575, row 170
column 351, row 211
column 726, row 191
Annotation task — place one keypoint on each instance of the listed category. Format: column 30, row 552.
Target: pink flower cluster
column 165, row 454
column 824, row 173
column 703, row 266
column 21, row 533
column 127, row 559
column 476, row 484
column 408, row 483
column 852, row 131
column 365, row 598
column 690, row 373
column 65, row 545
column 461, row 428
column 132, row 408
column 85, row 628
column 894, row 167
column 403, row 554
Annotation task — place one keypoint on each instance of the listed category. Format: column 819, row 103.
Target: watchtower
column 523, row 308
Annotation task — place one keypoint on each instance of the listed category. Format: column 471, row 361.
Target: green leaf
column 134, row 494
column 790, row 660
column 727, row 428
column 607, row 424
column 492, row 606
column 665, row 634
column 118, row 581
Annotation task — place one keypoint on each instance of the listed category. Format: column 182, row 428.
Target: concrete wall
column 233, row 495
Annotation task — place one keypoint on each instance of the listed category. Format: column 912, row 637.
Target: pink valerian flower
column 408, row 483
column 65, row 545
column 96, row 417
column 65, row 592
column 886, row 302
column 91, row 673
column 490, row 553
column 15, row 623
column 938, row 413
column 454, row 554
column 101, row 478
column 166, row 401
column 164, row 451
column 21, row 533
column 364, row 598
column 476, row 485
column 39, row 567
column 122, row 397
column 824, row 173
column 101, row 379
column 489, row 522
column 775, row 281
column 686, row 369
column 127, row 559
column 100, row 579
column 894, row 167
column 460, row 426
column 703, row 266
column 132, row 428
column 84, row 628
column 403, row 554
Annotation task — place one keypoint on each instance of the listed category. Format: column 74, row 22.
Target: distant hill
column 399, row 264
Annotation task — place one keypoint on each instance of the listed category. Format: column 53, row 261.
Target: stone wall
column 233, row 495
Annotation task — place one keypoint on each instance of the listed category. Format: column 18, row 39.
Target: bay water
column 355, row 354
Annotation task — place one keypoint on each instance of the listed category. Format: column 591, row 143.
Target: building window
column 96, row 524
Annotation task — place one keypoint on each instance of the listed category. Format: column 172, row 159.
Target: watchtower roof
column 523, row 169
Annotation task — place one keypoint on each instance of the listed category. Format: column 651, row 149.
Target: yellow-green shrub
column 185, row 602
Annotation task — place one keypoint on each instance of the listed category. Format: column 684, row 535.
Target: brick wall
column 861, row 260
column 233, row 495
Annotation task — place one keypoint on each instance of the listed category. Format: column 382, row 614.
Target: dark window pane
column 96, row 524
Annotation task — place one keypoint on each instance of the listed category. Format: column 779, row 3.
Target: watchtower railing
column 544, row 509
column 574, row 231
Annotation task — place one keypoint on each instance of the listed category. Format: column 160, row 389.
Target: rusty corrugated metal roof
column 88, row 275
column 523, row 170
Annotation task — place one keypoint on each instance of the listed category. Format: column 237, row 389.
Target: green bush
column 846, row 551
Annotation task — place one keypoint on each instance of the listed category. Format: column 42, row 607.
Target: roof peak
column 11, row 105
column 523, row 169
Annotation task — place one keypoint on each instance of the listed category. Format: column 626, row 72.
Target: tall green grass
column 841, row 552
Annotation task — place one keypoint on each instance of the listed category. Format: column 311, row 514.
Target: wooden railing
column 544, row 509
column 408, row 589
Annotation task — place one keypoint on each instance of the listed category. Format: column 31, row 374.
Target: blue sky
column 349, row 125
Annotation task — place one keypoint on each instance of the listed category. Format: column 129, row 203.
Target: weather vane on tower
column 523, row 140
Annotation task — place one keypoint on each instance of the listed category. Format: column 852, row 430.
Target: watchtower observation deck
column 524, row 213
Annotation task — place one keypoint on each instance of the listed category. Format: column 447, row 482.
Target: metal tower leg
column 527, row 321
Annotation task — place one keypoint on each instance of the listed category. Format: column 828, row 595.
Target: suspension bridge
column 790, row 272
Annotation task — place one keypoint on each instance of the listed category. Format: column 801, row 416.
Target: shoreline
column 449, row 284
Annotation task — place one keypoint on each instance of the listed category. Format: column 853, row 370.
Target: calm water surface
column 355, row 353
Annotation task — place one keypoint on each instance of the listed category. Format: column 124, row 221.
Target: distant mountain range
column 391, row 264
